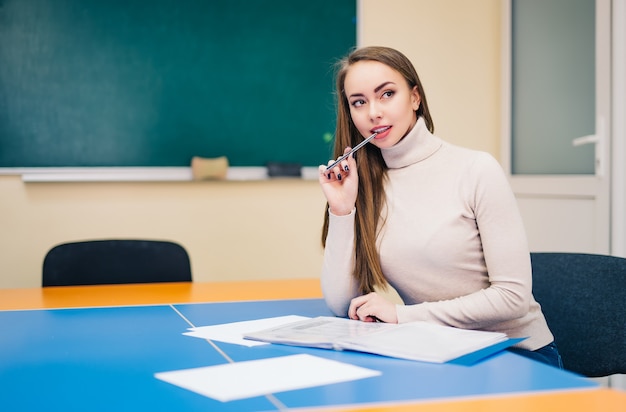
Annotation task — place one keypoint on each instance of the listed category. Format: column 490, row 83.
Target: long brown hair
column 370, row 164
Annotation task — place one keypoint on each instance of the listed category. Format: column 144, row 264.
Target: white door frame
column 618, row 210
column 576, row 187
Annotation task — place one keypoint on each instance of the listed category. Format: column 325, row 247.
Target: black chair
column 95, row 262
column 583, row 297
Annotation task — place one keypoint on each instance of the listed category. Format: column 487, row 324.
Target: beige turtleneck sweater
column 453, row 244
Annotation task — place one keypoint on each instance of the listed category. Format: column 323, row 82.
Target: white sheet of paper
column 233, row 332
column 248, row 379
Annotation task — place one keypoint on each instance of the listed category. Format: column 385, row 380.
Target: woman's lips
column 380, row 131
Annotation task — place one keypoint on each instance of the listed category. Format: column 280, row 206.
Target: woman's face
column 378, row 97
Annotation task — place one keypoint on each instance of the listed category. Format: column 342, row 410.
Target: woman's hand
column 372, row 308
column 340, row 185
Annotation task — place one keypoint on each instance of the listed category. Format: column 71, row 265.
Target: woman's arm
column 338, row 285
column 340, row 187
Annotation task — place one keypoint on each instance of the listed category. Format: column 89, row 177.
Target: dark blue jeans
column 548, row 354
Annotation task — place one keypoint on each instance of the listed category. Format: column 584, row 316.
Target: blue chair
column 95, row 262
column 583, row 297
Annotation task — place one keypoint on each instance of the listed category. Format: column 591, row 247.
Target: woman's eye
column 388, row 94
column 357, row 103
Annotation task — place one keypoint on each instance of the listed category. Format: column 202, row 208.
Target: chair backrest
column 583, row 297
column 94, row 262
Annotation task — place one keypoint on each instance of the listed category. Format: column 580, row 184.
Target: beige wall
column 232, row 230
column 455, row 47
column 265, row 229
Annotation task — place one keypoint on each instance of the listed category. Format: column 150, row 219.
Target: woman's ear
column 415, row 99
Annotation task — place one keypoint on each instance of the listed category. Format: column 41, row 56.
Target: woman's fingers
column 339, row 171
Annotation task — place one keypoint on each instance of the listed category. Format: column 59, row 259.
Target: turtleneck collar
column 416, row 146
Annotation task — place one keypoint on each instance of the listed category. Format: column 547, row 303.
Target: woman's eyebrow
column 376, row 89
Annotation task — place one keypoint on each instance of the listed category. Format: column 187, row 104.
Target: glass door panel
column 553, row 86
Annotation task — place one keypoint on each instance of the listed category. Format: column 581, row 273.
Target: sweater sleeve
column 338, row 285
column 506, row 256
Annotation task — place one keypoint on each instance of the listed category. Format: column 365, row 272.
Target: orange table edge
column 589, row 400
column 157, row 293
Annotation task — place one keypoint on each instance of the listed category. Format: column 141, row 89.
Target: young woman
column 437, row 222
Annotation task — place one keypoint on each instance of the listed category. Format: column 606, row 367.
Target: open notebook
column 418, row 341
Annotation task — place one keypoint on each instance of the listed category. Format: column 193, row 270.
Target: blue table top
column 105, row 359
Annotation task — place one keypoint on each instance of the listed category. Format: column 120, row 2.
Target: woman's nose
column 375, row 111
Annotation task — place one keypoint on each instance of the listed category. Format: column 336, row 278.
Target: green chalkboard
column 153, row 83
